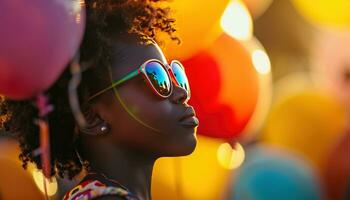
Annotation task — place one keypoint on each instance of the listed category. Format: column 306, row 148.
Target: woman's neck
column 131, row 169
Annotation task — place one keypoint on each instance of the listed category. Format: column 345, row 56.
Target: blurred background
column 270, row 82
column 271, row 86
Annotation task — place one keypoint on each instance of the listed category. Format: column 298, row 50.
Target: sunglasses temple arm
column 116, row 83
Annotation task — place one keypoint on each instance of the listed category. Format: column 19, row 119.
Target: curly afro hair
column 105, row 19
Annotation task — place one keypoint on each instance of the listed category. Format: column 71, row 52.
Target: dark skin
column 128, row 151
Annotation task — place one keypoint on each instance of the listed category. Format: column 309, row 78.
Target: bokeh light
column 51, row 184
column 230, row 158
column 237, row 22
column 261, row 61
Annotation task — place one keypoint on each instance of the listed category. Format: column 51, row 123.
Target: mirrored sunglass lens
column 158, row 77
column 180, row 76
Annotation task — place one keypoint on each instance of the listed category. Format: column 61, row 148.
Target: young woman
column 134, row 100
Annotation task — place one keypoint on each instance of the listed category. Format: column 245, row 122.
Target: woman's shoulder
column 97, row 186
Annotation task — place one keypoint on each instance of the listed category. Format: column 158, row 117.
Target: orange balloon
column 224, row 86
column 198, row 25
column 256, row 122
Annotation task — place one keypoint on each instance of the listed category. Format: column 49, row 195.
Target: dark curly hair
column 105, row 19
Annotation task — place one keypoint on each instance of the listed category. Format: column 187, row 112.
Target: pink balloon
column 37, row 40
column 331, row 63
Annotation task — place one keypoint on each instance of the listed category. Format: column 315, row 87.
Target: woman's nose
column 179, row 95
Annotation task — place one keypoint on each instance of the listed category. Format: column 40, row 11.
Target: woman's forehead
column 129, row 54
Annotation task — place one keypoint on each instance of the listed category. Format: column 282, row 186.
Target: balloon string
column 45, row 147
column 44, row 150
column 45, row 188
column 73, row 91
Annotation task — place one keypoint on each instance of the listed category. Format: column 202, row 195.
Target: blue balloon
column 272, row 174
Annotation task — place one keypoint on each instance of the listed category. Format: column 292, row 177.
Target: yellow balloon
column 308, row 121
column 15, row 182
column 333, row 13
column 198, row 176
column 198, row 25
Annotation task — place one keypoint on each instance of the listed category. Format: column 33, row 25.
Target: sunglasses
column 160, row 77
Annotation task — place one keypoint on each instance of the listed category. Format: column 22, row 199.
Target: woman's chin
column 183, row 147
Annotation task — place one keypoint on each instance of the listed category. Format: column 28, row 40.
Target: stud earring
column 97, row 129
column 104, row 128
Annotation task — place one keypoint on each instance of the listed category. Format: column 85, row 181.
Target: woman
column 134, row 102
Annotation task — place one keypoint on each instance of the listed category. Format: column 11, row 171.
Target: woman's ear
column 95, row 124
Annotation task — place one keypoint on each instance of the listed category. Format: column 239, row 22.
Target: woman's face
column 147, row 122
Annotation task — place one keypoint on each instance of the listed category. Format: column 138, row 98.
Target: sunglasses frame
column 142, row 70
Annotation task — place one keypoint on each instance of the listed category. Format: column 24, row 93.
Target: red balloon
column 38, row 38
column 224, row 88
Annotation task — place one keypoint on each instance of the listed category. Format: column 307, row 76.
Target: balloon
column 326, row 13
column 13, row 177
column 198, row 25
column 275, row 174
column 37, row 39
column 257, row 7
column 308, row 121
column 198, row 176
column 331, row 63
column 337, row 169
column 225, row 88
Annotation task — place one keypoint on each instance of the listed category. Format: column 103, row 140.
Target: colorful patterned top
column 97, row 185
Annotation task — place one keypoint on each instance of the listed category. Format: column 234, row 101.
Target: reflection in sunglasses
column 180, row 76
column 159, row 82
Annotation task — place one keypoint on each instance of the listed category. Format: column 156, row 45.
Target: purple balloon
column 37, row 40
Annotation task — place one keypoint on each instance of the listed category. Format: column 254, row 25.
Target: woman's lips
column 189, row 118
column 190, row 121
